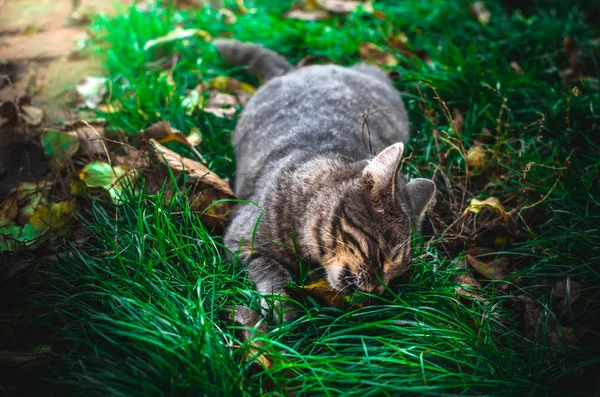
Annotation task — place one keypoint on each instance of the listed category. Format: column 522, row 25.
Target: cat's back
column 317, row 100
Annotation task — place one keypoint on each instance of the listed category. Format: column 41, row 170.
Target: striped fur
column 303, row 159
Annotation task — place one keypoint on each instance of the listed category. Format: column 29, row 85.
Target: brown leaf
column 533, row 315
column 476, row 157
column 495, row 269
column 480, row 11
column 33, row 116
column 307, row 15
column 242, row 91
column 91, row 137
column 567, row 288
column 373, row 54
column 344, row 6
column 221, row 105
column 573, row 51
column 468, row 286
column 458, row 121
column 516, row 67
column 205, row 186
column 323, row 292
column 163, row 132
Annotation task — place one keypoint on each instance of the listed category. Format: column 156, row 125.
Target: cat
column 304, row 159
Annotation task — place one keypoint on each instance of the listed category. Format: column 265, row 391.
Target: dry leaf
column 373, row 54
column 31, row 115
column 476, row 157
column 163, row 132
column 307, row 15
column 567, row 288
column 175, row 35
column 573, row 51
column 491, row 202
column 205, row 186
column 468, row 286
column 458, row 121
column 90, row 135
column 242, row 91
column 516, row 67
column 480, row 11
column 495, row 269
column 344, row 6
column 533, row 317
column 221, row 105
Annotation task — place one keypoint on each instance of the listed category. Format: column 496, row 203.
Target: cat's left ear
column 421, row 192
column 379, row 175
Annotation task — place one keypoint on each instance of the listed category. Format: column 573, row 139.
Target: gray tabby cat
column 303, row 158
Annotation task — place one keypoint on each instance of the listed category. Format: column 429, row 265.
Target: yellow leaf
column 373, row 54
column 491, row 202
column 476, row 156
column 55, row 216
column 8, row 212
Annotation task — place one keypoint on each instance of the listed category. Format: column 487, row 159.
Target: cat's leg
column 271, row 278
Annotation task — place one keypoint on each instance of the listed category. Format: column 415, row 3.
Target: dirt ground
column 42, row 53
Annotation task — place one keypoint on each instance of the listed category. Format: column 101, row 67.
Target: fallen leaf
column 307, row 15
column 163, row 132
column 59, row 147
column 242, row 91
column 175, row 35
column 480, row 11
column 25, row 360
column 567, row 288
column 101, row 177
column 221, row 105
column 228, row 16
column 476, row 157
column 534, row 315
column 92, row 90
column 400, row 43
column 516, row 67
column 206, row 188
column 373, row 54
column 8, row 212
column 31, row 115
column 573, row 51
column 90, row 135
column 344, row 6
column 493, row 203
column 45, row 223
column 193, row 100
column 458, row 121
column 495, row 269
column 327, row 295
column 54, row 216
column 468, row 286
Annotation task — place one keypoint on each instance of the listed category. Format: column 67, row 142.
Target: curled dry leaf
column 534, row 315
column 516, row 67
column 92, row 90
column 374, row 55
column 206, row 188
column 476, row 157
column 480, row 11
column 31, row 115
column 476, row 206
column 175, row 35
column 327, row 295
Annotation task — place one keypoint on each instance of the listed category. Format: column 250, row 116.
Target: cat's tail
column 265, row 63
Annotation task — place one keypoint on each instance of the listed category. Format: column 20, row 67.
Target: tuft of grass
column 137, row 310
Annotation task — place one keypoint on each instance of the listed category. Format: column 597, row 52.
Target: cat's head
column 368, row 237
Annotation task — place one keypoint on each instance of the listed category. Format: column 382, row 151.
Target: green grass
column 138, row 310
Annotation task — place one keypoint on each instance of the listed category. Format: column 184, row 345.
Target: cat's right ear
column 380, row 174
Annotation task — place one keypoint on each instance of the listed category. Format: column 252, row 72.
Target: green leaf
column 59, row 147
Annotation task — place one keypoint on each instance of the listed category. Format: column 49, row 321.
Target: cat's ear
column 380, row 173
column 421, row 192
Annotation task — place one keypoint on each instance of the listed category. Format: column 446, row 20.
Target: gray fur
column 301, row 150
